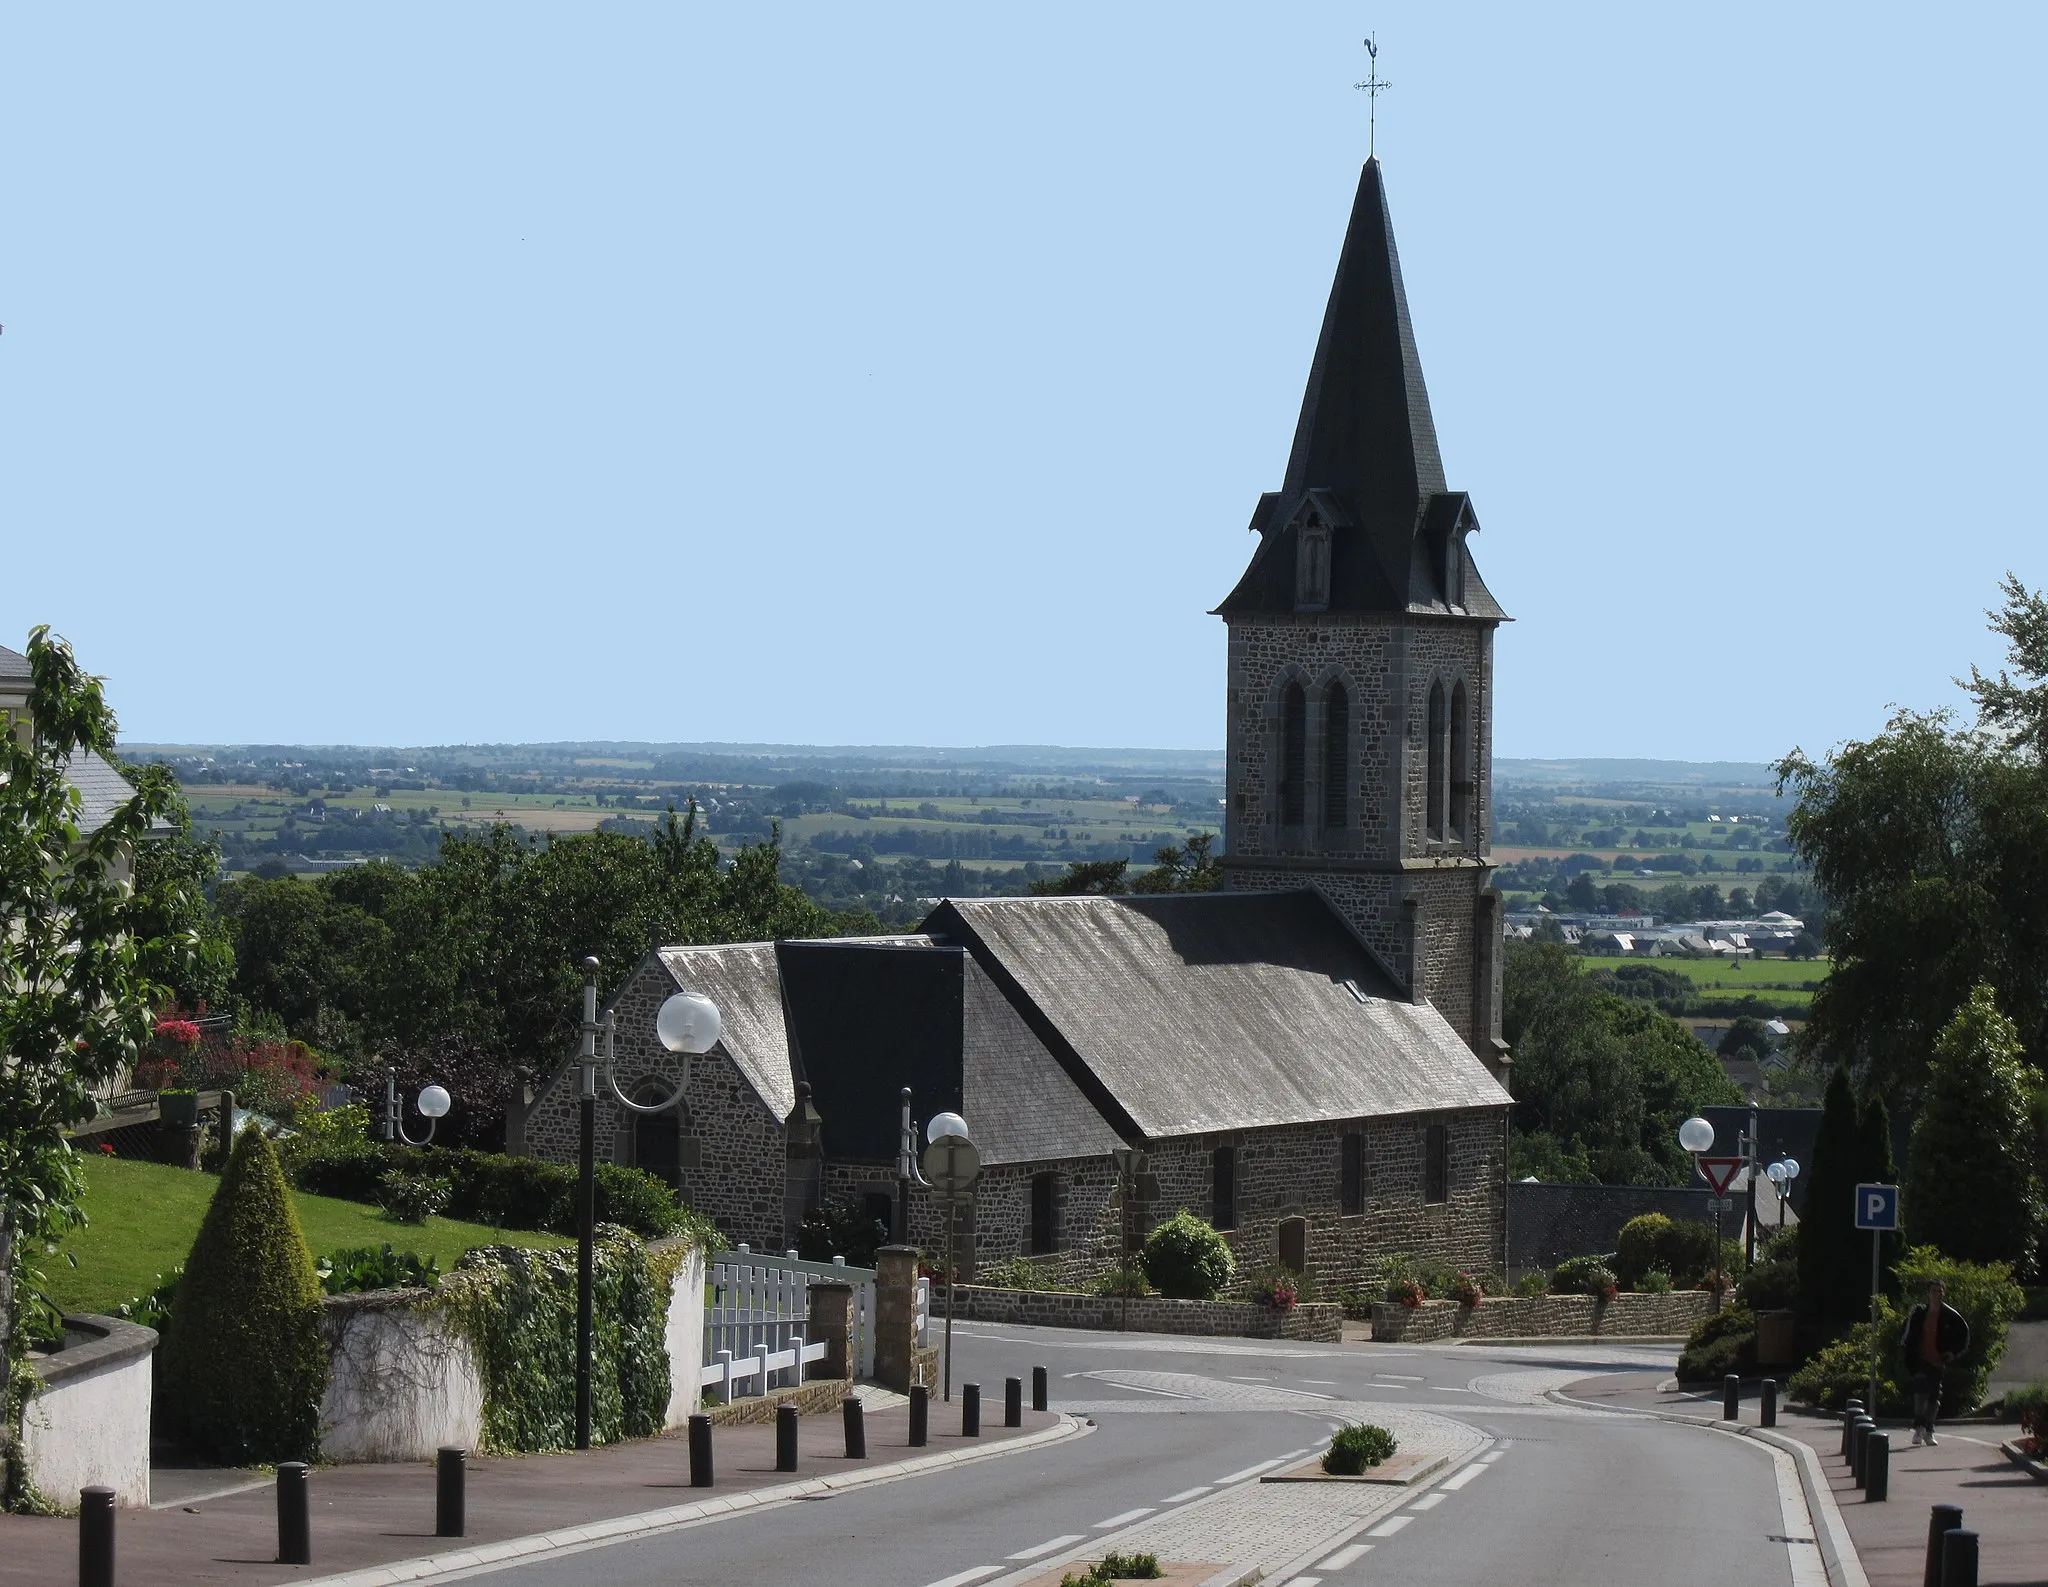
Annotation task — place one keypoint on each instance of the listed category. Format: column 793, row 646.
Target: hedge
column 244, row 1365
column 505, row 1192
column 1186, row 1259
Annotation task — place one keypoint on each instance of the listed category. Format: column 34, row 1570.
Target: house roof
column 15, row 672
column 1181, row 1014
column 1365, row 439
column 100, row 790
column 741, row 979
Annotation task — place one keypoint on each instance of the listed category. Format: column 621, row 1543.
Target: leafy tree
column 172, row 872
column 1972, row 1190
column 80, row 958
column 1746, row 1033
column 2018, row 710
column 1189, row 868
column 1583, row 895
column 244, row 1365
column 1604, row 1077
column 1085, row 876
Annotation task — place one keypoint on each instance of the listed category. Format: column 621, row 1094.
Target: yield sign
column 1721, row 1171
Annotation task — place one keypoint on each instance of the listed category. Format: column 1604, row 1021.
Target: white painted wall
column 685, row 1339
column 400, row 1382
column 92, row 1427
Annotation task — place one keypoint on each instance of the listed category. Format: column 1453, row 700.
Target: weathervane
column 1373, row 86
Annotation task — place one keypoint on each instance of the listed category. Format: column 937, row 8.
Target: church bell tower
column 1360, row 694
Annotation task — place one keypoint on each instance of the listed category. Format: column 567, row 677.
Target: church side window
column 1223, row 1188
column 1461, row 766
column 1293, row 756
column 1045, row 1234
column 1436, row 1164
column 1351, row 1173
column 1336, row 756
column 1433, row 817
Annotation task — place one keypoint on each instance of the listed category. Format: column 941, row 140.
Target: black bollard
column 700, row 1451
column 1877, row 1468
column 920, row 1415
column 294, row 1515
column 1013, row 1402
column 970, row 1410
column 1038, row 1388
column 1850, row 1411
column 95, row 1537
column 451, row 1509
column 1731, row 1397
column 785, row 1437
column 855, row 1415
column 1941, row 1520
column 1859, row 1446
column 1959, row 1559
column 1767, row 1407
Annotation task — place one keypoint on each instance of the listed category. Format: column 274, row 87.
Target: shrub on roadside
column 1020, row 1272
column 1186, row 1259
column 1533, row 1286
column 1584, row 1275
column 841, row 1228
column 1724, row 1343
column 1121, row 1281
column 1773, row 1283
column 244, row 1366
column 1116, row 1567
column 2029, row 1407
column 1655, row 1282
column 363, row 1268
column 1355, row 1450
column 412, row 1198
column 1466, row 1290
column 1683, row 1249
column 1277, row 1286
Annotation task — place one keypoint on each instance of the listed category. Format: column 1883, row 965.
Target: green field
column 142, row 1218
column 1748, row 975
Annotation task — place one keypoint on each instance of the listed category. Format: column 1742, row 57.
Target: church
column 1310, row 1059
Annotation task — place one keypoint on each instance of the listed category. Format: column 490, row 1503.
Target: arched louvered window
column 1293, row 756
column 1434, row 811
column 1336, row 756
column 1461, row 767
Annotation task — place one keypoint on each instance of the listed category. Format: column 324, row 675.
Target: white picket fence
column 755, row 1312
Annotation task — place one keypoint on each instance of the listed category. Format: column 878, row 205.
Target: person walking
column 1935, row 1335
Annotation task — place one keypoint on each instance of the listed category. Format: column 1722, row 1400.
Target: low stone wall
column 88, row 1421
column 1629, row 1315
column 1147, row 1314
column 401, row 1382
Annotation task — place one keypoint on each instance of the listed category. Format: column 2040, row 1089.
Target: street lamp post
column 433, row 1103
column 1696, row 1136
column 687, row 1024
column 952, row 1163
column 1781, row 1174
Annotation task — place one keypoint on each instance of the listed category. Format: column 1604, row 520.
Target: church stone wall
column 740, row 1185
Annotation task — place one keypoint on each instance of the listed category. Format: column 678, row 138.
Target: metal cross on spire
column 1373, row 86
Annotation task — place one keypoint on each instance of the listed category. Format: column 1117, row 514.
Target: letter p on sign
column 1877, row 1207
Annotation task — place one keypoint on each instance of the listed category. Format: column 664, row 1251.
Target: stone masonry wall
column 1148, row 1314
column 1630, row 1315
column 740, row 1185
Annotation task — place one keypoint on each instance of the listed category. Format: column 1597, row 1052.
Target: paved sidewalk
column 366, row 1516
column 2002, row 1504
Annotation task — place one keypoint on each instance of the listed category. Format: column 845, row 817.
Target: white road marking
column 1124, row 1519
column 1249, row 1471
column 1458, row 1479
column 966, row 1576
column 1321, row 1383
column 1185, row 1494
column 1401, row 1377
column 1303, row 1581
column 1429, row 1501
column 1350, row 1554
column 1390, row 1526
column 1252, row 1377
column 1057, row 1543
column 1489, row 1457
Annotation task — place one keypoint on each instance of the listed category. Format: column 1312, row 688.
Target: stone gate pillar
column 895, row 1315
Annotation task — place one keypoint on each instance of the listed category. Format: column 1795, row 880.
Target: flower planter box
column 1629, row 1315
column 1317, row 1322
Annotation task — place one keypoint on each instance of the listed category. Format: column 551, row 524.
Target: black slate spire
column 1365, row 464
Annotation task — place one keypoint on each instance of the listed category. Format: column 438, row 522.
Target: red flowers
column 181, row 1031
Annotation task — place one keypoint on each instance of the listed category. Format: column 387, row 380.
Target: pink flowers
column 181, row 1031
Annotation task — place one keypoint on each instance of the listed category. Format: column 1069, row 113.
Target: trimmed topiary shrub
column 1354, row 1451
column 1724, row 1343
column 1684, row 1250
column 1186, row 1259
column 244, row 1365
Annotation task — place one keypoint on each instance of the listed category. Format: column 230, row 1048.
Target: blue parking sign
column 1877, row 1207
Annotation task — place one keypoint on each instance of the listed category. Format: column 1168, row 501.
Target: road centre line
column 1128, row 1516
column 1066, row 1541
column 1390, row 1526
column 1185, row 1494
column 962, row 1578
column 1429, row 1501
column 1349, row 1554
column 1402, row 1377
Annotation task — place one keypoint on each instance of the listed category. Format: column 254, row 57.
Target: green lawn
column 1747, row 974
column 143, row 1217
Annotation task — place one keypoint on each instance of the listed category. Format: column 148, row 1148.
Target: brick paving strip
column 1887, row 1542
column 373, row 1525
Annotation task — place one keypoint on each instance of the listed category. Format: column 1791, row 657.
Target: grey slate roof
column 100, row 789
column 1367, row 438
column 1022, row 1106
column 14, row 669
column 742, row 980
column 1188, row 1013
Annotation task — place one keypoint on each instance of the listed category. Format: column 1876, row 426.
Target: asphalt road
column 1530, row 1491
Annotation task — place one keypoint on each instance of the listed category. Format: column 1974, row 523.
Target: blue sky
column 402, row 374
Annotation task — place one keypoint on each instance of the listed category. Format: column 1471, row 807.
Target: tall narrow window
column 1351, row 1174
column 1336, row 756
column 1045, row 1234
column 1293, row 1243
column 1293, row 756
column 1223, row 1188
column 1433, row 816
column 657, row 1139
column 1436, row 1163
column 1461, row 767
